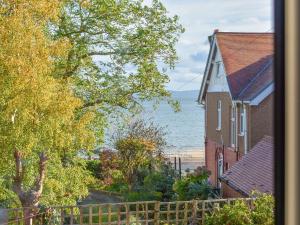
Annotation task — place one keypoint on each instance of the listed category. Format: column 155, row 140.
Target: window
column 218, row 64
column 233, row 126
column 226, row 166
column 242, row 121
column 219, row 108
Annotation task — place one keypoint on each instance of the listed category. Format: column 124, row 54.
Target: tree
column 120, row 53
column 133, row 154
column 139, row 146
column 38, row 119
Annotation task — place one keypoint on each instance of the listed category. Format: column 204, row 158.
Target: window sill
column 218, row 129
column 241, row 134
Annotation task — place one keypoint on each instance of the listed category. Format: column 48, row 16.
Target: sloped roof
column 248, row 62
column 254, row 171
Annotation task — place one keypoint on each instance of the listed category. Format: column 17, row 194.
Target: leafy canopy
column 37, row 110
column 120, row 53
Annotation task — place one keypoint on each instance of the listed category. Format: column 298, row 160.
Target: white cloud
column 200, row 18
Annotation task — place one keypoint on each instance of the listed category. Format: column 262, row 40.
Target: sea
column 185, row 129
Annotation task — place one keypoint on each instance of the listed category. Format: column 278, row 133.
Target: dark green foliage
column 94, row 167
column 161, row 182
column 193, row 186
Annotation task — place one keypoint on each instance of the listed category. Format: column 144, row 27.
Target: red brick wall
column 212, row 149
column 228, row 192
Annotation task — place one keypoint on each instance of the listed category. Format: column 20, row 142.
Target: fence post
column 3, row 216
column 90, row 215
column 127, row 215
column 177, row 208
column 72, row 216
column 203, row 212
column 100, row 215
column 185, row 220
column 156, row 213
column 194, row 213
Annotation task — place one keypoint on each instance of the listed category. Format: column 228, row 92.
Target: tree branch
column 42, row 174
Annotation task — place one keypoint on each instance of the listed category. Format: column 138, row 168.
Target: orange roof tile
column 246, row 56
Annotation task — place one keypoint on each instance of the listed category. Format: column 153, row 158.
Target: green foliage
column 133, row 154
column 193, row 186
column 162, row 182
column 109, row 36
column 94, row 167
column 236, row 214
column 263, row 212
column 239, row 213
column 143, row 196
column 65, row 185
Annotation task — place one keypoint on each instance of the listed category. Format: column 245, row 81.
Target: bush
column 94, row 167
column 143, row 196
column 239, row 213
column 193, row 186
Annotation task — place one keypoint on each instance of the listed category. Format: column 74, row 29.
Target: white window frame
column 218, row 67
column 233, row 126
column 243, row 121
column 219, row 115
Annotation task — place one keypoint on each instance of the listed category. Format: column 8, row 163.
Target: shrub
column 94, row 167
column 239, row 213
column 193, row 186
column 263, row 212
column 236, row 214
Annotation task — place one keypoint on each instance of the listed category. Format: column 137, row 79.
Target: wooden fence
column 137, row 213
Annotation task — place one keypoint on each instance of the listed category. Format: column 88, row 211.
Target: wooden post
column 156, row 213
column 146, row 213
column 185, row 213
column 194, row 213
column 81, row 216
column 168, row 213
column 100, row 215
column 90, row 215
column 203, row 211
column 72, row 216
column 109, row 214
column 177, row 206
column 119, row 215
column 137, row 213
column 175, row 163
column 62, row 217
column 127, row 215
column 179, row 167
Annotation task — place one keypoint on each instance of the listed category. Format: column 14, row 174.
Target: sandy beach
column 190, row 158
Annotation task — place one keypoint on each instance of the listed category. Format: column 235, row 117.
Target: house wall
column 228, row 192
column 219, row 136
column 262, row 120
column 212, row 151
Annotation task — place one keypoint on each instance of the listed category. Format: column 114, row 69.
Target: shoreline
column 191, row 158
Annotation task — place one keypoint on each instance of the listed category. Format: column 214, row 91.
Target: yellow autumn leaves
column 37, row 110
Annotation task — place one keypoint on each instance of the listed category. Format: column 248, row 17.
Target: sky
column 200, row 18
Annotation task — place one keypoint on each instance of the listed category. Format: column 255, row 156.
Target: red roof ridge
column 244, row 33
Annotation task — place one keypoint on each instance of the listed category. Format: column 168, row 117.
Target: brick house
column 237, row 93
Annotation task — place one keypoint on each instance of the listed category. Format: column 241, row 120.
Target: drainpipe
column 236, row 127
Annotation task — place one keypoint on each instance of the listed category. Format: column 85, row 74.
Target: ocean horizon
column 185, row 129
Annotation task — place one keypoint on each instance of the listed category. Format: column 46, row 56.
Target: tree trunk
column 29, row 199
